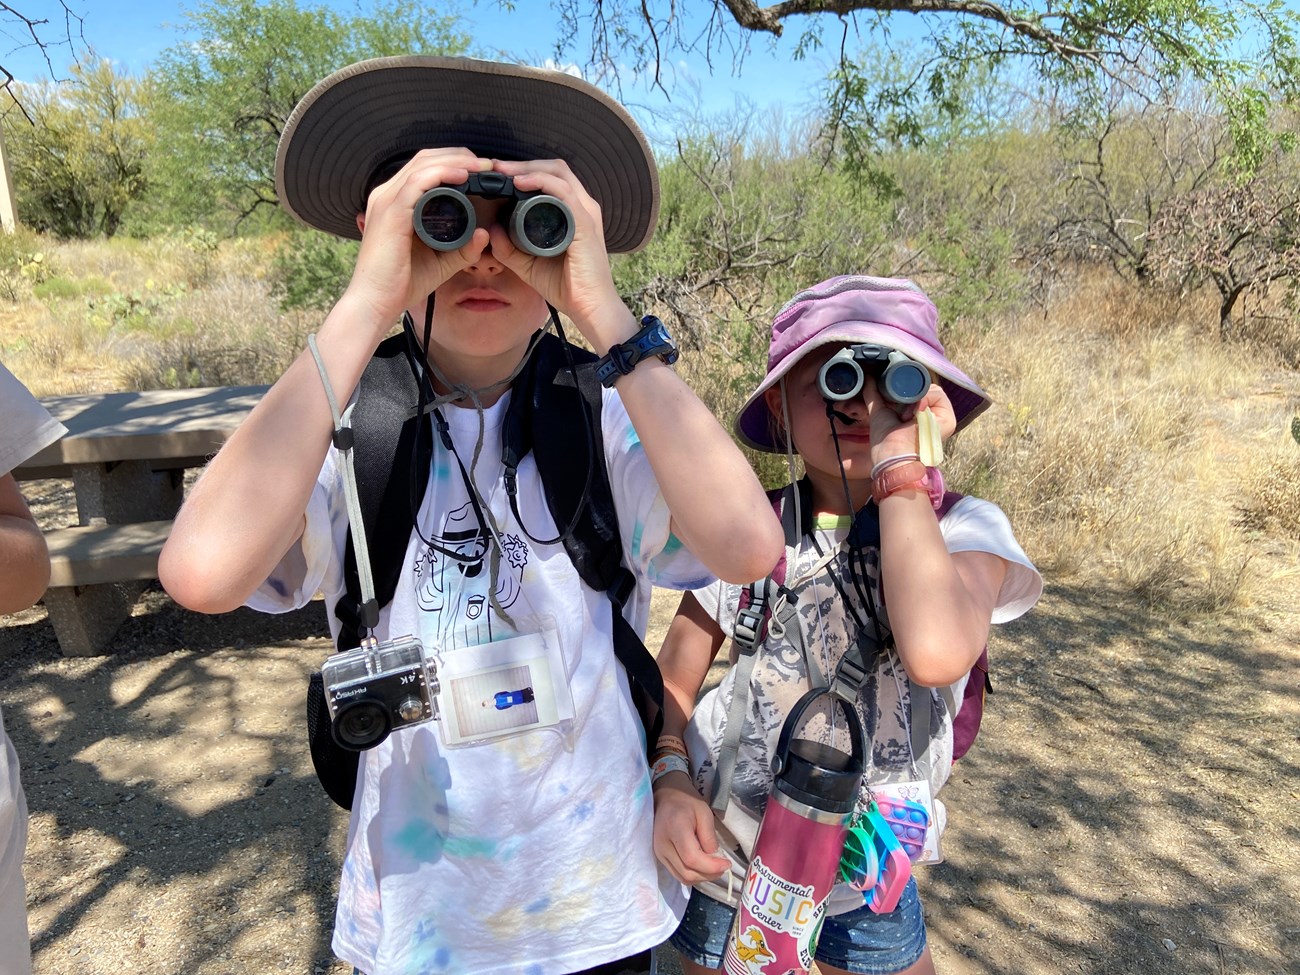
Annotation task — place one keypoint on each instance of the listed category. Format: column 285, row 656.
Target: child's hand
column 577, row 282
column 394, row 269
column 684, row 838
column 893, row 426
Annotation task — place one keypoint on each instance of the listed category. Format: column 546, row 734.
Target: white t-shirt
column 780, row 676
column 25, row 428
column 529, row 855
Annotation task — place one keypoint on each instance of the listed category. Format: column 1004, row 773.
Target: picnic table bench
column 126, row 455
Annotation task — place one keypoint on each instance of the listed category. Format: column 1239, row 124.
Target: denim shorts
column 860, row 941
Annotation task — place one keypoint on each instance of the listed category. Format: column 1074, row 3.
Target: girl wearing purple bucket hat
column 882, row 570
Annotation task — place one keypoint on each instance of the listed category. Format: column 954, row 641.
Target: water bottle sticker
column 908, row 807
column 752, row 951
column 783, row 907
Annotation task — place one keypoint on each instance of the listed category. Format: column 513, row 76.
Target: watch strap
column 621, row 359
column 911, row 474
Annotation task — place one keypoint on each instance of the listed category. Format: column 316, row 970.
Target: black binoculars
column 538, row 224
column 901, row 380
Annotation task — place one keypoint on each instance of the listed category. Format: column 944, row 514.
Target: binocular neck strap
column 343, row 441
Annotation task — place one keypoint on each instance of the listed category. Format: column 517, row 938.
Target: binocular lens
column 906, row 382
column 362, row 725
column 541, row 226
column 841, row 380
column 444, row 219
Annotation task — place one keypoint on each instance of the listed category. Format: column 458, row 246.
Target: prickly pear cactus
column 1295, row 428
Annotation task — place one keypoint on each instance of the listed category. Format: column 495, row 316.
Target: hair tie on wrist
column 889, row 462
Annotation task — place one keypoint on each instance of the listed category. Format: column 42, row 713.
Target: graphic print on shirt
column 780, row 676
column 456, row 591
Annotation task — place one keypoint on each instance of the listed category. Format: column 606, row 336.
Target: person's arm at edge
column 23, row 552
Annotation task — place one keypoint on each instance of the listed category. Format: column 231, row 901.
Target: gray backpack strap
column 920, row 721
column 748, row 635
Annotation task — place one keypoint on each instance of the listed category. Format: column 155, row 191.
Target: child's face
column 486, row 310
column 810, row 427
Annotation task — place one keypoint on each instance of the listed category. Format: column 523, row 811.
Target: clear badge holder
column 907, row 805
column 507, row 687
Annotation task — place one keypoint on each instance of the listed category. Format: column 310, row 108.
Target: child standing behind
column 907, row 586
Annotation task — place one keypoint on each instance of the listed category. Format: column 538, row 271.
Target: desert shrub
column 1271, row 495
column 23, row 263
column 311, row 269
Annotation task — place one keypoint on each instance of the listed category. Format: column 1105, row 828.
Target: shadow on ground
column 1128, row 808
column 1125, row 809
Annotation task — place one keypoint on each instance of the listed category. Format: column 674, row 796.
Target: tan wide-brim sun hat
column 374, row 112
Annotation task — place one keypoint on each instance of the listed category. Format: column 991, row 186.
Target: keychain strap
column 343, row 442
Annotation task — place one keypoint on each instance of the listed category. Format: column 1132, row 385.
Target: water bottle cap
column 820, row 776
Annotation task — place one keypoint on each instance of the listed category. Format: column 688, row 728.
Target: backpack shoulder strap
column 753, row 614
column 392, row 451
column 555, row 411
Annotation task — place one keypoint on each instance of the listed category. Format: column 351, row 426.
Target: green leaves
column 81, row 162
column 234, row 81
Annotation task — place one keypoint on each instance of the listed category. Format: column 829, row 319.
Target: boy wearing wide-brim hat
column 528, row 853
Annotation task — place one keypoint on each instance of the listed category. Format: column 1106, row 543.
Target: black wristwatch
column 653, row 339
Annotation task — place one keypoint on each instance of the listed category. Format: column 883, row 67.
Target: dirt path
column 1134, row 789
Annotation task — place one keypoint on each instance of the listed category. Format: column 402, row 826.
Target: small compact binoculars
column 538, row 224
column 901, row 380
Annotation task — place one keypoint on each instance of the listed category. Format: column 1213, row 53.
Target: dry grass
column 125, row 314
column 1109, row 447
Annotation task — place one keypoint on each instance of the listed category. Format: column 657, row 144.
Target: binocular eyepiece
column 538, row 224
column 901, row 380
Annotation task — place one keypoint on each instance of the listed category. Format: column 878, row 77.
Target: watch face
column 657, row 335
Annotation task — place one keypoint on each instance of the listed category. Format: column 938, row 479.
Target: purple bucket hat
column 892, row 312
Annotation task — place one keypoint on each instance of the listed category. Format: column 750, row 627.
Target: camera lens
column 840, row 378
column 361, row 725
column 906, row 381
column 541, row 226
column 444, row 218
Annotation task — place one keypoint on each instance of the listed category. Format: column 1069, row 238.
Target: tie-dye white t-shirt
column 528, row 855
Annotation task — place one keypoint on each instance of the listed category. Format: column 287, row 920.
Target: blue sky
column 132, row 33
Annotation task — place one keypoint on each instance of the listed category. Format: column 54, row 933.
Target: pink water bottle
column 797, row 852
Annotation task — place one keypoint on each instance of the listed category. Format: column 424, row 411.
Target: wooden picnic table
column 126, row 454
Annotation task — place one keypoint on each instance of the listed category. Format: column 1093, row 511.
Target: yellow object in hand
column 931, row 440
